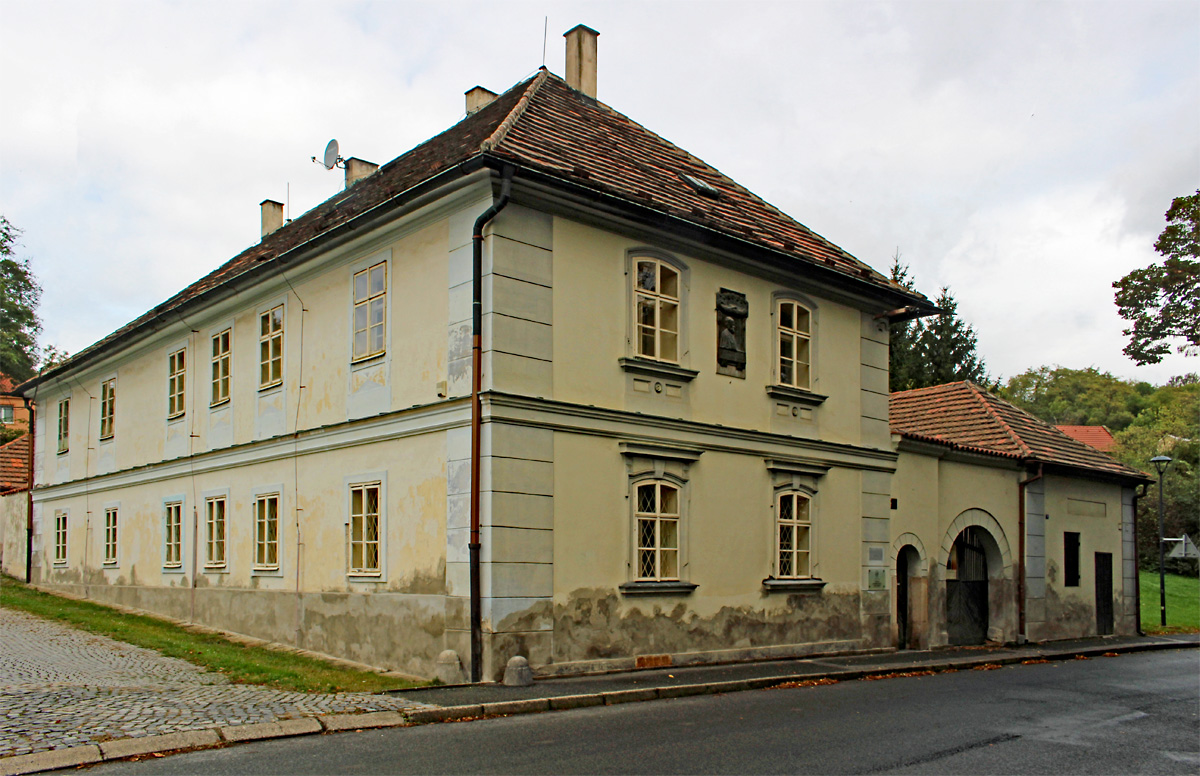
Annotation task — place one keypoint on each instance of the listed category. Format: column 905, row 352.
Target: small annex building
column 1004, row 527
column 548, row 385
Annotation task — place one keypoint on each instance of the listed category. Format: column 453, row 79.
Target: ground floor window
column 173, row 535
column 60, row 537
column 110, row 536
column 793, row 535
column 214, row 532
column 364, row 528
column 657, row 515
column 266, row 532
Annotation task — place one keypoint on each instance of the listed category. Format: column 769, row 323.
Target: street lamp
column 1161, row 462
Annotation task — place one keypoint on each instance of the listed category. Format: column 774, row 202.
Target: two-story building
column 544, row 385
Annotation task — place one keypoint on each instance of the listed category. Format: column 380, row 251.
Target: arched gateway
column 976, row 566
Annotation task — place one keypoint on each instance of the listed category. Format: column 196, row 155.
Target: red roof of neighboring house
column 1098, row 437
column 559, row 137
column 14, row 465
column 6, row 384
column 965, row 416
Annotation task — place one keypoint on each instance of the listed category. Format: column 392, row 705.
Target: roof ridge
column 977, row 392
column 497, row 137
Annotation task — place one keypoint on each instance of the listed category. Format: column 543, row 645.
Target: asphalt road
column 1138, row 713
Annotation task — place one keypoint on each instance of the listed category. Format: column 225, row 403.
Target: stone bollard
column 449, row 668
column 518, row 673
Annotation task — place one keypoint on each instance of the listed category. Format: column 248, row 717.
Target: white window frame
column 111, row 534
column 266, row 547
column 270, row 347
column 658, row 552
column 177, row 383
column 108, row 408
column 7, row 414
column 64, row 426
column 216, row 532
column 60, row 536
column 357, row 525
column 794, row 338
column 221, row 372
column 367, row 299
column 791, row 523
column 173, row 534
column 660, row 300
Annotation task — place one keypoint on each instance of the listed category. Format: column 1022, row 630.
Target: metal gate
column 967, row 596
column 1104, row 590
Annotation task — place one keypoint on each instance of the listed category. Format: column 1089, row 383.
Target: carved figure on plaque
column 732, row 311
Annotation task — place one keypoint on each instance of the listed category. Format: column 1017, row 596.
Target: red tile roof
column 14, row 465
column 543, row 126
column 6, row 384
column 1098, row 437
column 966, row 417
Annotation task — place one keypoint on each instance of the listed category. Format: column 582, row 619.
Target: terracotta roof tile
column 14, row 465
column 543, row 125
column 1098, row 437
column 965, row 416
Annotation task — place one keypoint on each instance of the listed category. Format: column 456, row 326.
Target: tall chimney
column 272, row 216
column 478, row 98
column 357, row 169
column 581, row 59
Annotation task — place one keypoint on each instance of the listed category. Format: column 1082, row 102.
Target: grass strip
column 242, row 663
column 1183, row 603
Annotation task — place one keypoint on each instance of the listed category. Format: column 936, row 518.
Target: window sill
column 108, row 438
column 62, row 452
column 222, row 569
column 272, row 571
column 670, row 587
column 218, row 404
column 172, row 569
column 365, row 576
column 110, row 564
column 810, row 585
column 366, row 361
column 176, row 418
column 659, row 369
column 272, row 387
column 798, row 395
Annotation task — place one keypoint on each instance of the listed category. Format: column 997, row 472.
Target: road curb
column 334, row 723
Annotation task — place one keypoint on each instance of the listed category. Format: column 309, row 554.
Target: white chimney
column 478, row 98
column 581, row 59
column 357, row 169
column 272, row 216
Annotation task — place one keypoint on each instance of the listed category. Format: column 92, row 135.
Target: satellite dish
column 331, row 157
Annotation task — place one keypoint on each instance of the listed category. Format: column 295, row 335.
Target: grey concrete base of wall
column 711, row 657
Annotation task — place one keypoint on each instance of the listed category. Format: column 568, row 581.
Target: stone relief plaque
column 732, row 311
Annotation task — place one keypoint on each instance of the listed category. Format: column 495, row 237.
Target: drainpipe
column 1021, row 551
column 476, row 417
column 29, row 495
column 1137, row 566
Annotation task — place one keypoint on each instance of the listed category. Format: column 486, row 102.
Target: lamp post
column 1161, row 462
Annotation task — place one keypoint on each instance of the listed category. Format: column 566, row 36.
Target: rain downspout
column 1021, row 551
column 29, row 494
column 477, row 419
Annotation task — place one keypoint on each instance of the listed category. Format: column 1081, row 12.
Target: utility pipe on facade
column 1021, row 486
column 32, row 409
column 473, row 545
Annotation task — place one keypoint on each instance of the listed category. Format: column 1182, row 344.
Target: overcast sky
column 1022, row 153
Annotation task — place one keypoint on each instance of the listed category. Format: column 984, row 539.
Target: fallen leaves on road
column 1034, row 661
column 804, row 683
column 896, row 675
column 987, row 667
column 1082, row 657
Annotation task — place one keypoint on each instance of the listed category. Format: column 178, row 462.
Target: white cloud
column 992, row 142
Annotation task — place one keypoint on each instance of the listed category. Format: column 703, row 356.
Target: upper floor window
column 270, row 347
column 108, row 407
column 793, row 324
column 220, row 367
column 6, row 414
column 364, row 529
column 370, row 311
column 176, row 377
column 656, row 310
column 657, row 517
column 793, row 528
column 64, row 425
column 110, row 536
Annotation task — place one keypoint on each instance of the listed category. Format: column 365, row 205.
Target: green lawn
column 1183, row 603
column 241, row 663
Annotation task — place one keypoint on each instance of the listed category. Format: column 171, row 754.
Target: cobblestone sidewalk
column 60, row 687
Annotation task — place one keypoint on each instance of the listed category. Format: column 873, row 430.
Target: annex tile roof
column 14, row 465
column 966, row 417
column 544, row 125
column 1098, row 437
